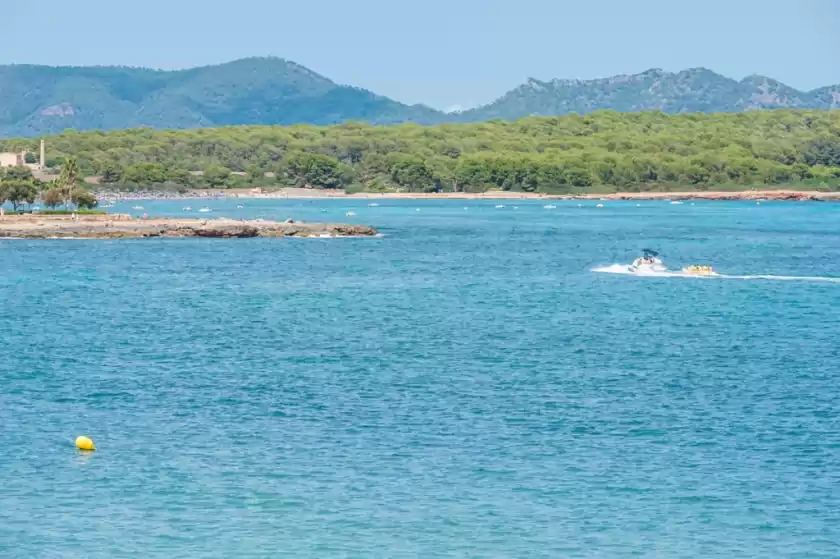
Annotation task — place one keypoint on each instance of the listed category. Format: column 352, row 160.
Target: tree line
column 601, row 150
column 20, row 188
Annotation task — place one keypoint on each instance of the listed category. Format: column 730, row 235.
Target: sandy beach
column 313, row 193
column 293, row 193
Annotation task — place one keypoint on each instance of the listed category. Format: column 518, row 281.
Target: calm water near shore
column 462, row 386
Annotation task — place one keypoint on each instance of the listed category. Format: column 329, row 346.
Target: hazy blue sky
column 440, row 52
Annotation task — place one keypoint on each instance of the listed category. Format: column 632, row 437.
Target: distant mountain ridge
column 39, row 100
column 693, row 90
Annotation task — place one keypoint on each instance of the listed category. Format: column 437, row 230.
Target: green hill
column 36, row 100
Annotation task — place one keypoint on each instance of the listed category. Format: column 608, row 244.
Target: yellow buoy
column 84, row 443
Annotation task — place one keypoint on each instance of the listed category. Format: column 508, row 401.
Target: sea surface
column 462, row 386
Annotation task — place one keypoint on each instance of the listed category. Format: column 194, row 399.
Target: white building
column 12, row 159
column 9, row 159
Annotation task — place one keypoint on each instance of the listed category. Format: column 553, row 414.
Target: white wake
column 625, row 270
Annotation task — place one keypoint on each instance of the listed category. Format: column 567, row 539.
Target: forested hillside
column 624, row 151
column 38, row 100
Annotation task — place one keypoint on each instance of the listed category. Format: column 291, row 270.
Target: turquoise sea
column 462, row 386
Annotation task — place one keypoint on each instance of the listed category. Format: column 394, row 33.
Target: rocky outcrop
column 723, row 196
column 122, row 227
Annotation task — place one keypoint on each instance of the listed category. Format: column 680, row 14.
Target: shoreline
column 307, row 193
column 122, row 226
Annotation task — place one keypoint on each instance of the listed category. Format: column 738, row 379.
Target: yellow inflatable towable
column 700, row 270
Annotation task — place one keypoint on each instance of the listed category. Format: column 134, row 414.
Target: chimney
column 42, row 163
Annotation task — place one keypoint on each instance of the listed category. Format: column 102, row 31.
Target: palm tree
column 66, row 181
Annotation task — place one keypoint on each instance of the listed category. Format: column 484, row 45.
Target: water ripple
column 462, row 386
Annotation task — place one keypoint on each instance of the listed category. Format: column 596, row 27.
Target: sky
column 444, row 53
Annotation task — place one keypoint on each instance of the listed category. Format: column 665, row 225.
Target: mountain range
column 39, row 100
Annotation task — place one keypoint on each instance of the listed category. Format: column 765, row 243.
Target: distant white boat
column 137, row 208
column 549, row 207
column 205, row 210
column 239, row 206
column 350, row 214
column 186, row 209
column 676, row 202
column 600, row 206
column 500, row 207
column 373, row 205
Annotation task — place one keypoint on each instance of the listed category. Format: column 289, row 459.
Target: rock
column 44, row 227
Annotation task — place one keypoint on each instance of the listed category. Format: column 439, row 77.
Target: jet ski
column 648, row 263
